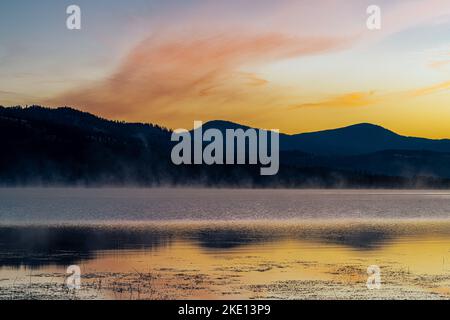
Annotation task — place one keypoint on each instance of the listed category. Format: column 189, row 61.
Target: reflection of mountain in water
column 229, row 238
column 358, row 239
column 41, row 246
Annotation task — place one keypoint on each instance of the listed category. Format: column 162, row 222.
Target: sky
column 292, row 65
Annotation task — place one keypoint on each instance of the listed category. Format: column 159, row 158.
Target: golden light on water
column 283, row 261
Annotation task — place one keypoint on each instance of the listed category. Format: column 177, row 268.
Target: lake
column 224, row 244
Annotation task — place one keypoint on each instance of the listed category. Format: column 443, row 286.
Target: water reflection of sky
column 40, row 246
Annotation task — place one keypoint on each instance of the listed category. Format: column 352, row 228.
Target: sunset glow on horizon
column 296, row 66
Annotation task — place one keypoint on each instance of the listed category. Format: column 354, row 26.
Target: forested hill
column 64, row 146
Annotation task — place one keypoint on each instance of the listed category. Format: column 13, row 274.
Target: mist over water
column 84, row 205
column 223, row 243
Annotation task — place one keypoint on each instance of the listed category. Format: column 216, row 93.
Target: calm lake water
column 64, row 205
column 224, row 244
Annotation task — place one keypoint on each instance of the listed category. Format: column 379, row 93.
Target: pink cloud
column 179, row 77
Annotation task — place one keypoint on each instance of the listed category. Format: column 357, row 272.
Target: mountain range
column 352, row 140
column 64, row 146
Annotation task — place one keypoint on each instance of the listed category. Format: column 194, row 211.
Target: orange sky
column 295, row 66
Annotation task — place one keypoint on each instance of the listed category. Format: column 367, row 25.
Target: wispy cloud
column 441, row 62
column 364, row 99
column 431, row 89
column 209, row 66
column 186, row 76
column 352, row 99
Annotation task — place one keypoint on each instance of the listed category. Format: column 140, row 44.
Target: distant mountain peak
column 363, row 128
column 223, row 125
column 366, row 125
column 359, row 127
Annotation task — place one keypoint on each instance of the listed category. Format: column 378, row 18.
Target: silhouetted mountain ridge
column 66, row 146
column 351, row 140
